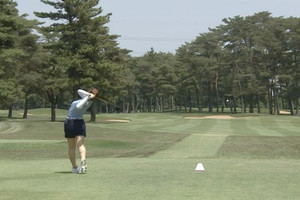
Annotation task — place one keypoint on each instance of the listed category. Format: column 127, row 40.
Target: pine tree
column 16, row 45
column 85, row 50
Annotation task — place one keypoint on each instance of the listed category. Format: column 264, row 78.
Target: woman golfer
column 75, row 130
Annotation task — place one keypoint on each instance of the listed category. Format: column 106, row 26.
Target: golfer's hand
column 91, row 96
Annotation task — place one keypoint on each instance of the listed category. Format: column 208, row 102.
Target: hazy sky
column 165, row 25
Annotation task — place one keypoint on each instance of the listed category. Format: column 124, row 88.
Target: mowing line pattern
column 154, row 157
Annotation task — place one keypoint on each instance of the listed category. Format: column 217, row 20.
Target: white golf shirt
column 79, row 107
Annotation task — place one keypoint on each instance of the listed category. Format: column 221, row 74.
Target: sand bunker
column 285, row 112
column 118, row 120
column 212, row 117
column 27, row 114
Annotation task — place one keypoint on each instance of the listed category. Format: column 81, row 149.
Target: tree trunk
column 230, row 105
column 222, row 104
column 10, row 111
column 270, row 91
column 198, row 99
column 137, row 103
column 276, row 104
column 297, row 100
column 25, row 108
column 133, row 103
column 129, row 106
column 53, row 100
column 123, row 106
column 291, row 106
column 234, row 105
column 190, row 100
column 185, row 104
column 162, row 104
column 258, row 105
column 156, row 104
column 149, row 104
column 283, row 103
column 93, row 112
column 217, row 92
column 210, row 109
column 180, row 105
column 53, row 113
column 242, row 104
column 251, row 109
column 143, row 105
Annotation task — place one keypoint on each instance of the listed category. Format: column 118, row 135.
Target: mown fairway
column 153, row 157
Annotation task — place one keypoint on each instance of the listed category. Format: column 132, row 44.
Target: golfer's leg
column 81, row 147
column 72, row 147
column 82, row 152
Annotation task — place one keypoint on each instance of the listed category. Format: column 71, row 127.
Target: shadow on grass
column 63, row 172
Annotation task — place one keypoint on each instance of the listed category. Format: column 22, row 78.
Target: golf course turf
column 153, row 156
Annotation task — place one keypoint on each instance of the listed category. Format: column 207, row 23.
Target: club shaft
column 107, row 102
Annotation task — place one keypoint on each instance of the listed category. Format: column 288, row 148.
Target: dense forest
column 245, row 64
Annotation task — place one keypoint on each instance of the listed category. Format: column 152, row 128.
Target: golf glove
column 91, row 96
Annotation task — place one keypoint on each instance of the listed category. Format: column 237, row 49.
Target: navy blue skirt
column 74, row 127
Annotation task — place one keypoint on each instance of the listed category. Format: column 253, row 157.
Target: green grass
column 261, row 147
column 144, row 178
column 153, row 157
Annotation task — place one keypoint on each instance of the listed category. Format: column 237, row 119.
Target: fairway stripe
column 193, row 146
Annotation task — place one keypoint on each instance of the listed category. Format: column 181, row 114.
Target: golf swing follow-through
column 75, row 129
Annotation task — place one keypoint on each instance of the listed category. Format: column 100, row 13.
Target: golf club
column 107, row 102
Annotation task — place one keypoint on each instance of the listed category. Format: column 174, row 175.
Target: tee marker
column 199, row 167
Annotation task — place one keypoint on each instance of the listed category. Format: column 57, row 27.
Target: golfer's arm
column 80, row 105
column 83, row 93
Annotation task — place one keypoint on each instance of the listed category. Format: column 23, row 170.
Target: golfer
column 75, row 130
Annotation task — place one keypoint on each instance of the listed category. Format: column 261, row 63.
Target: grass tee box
column 153, row 156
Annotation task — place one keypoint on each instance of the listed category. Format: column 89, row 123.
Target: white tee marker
column 199, row 167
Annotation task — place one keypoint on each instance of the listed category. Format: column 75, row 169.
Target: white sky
column 165, row 25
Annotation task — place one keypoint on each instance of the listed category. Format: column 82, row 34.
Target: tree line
column 245, row 63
